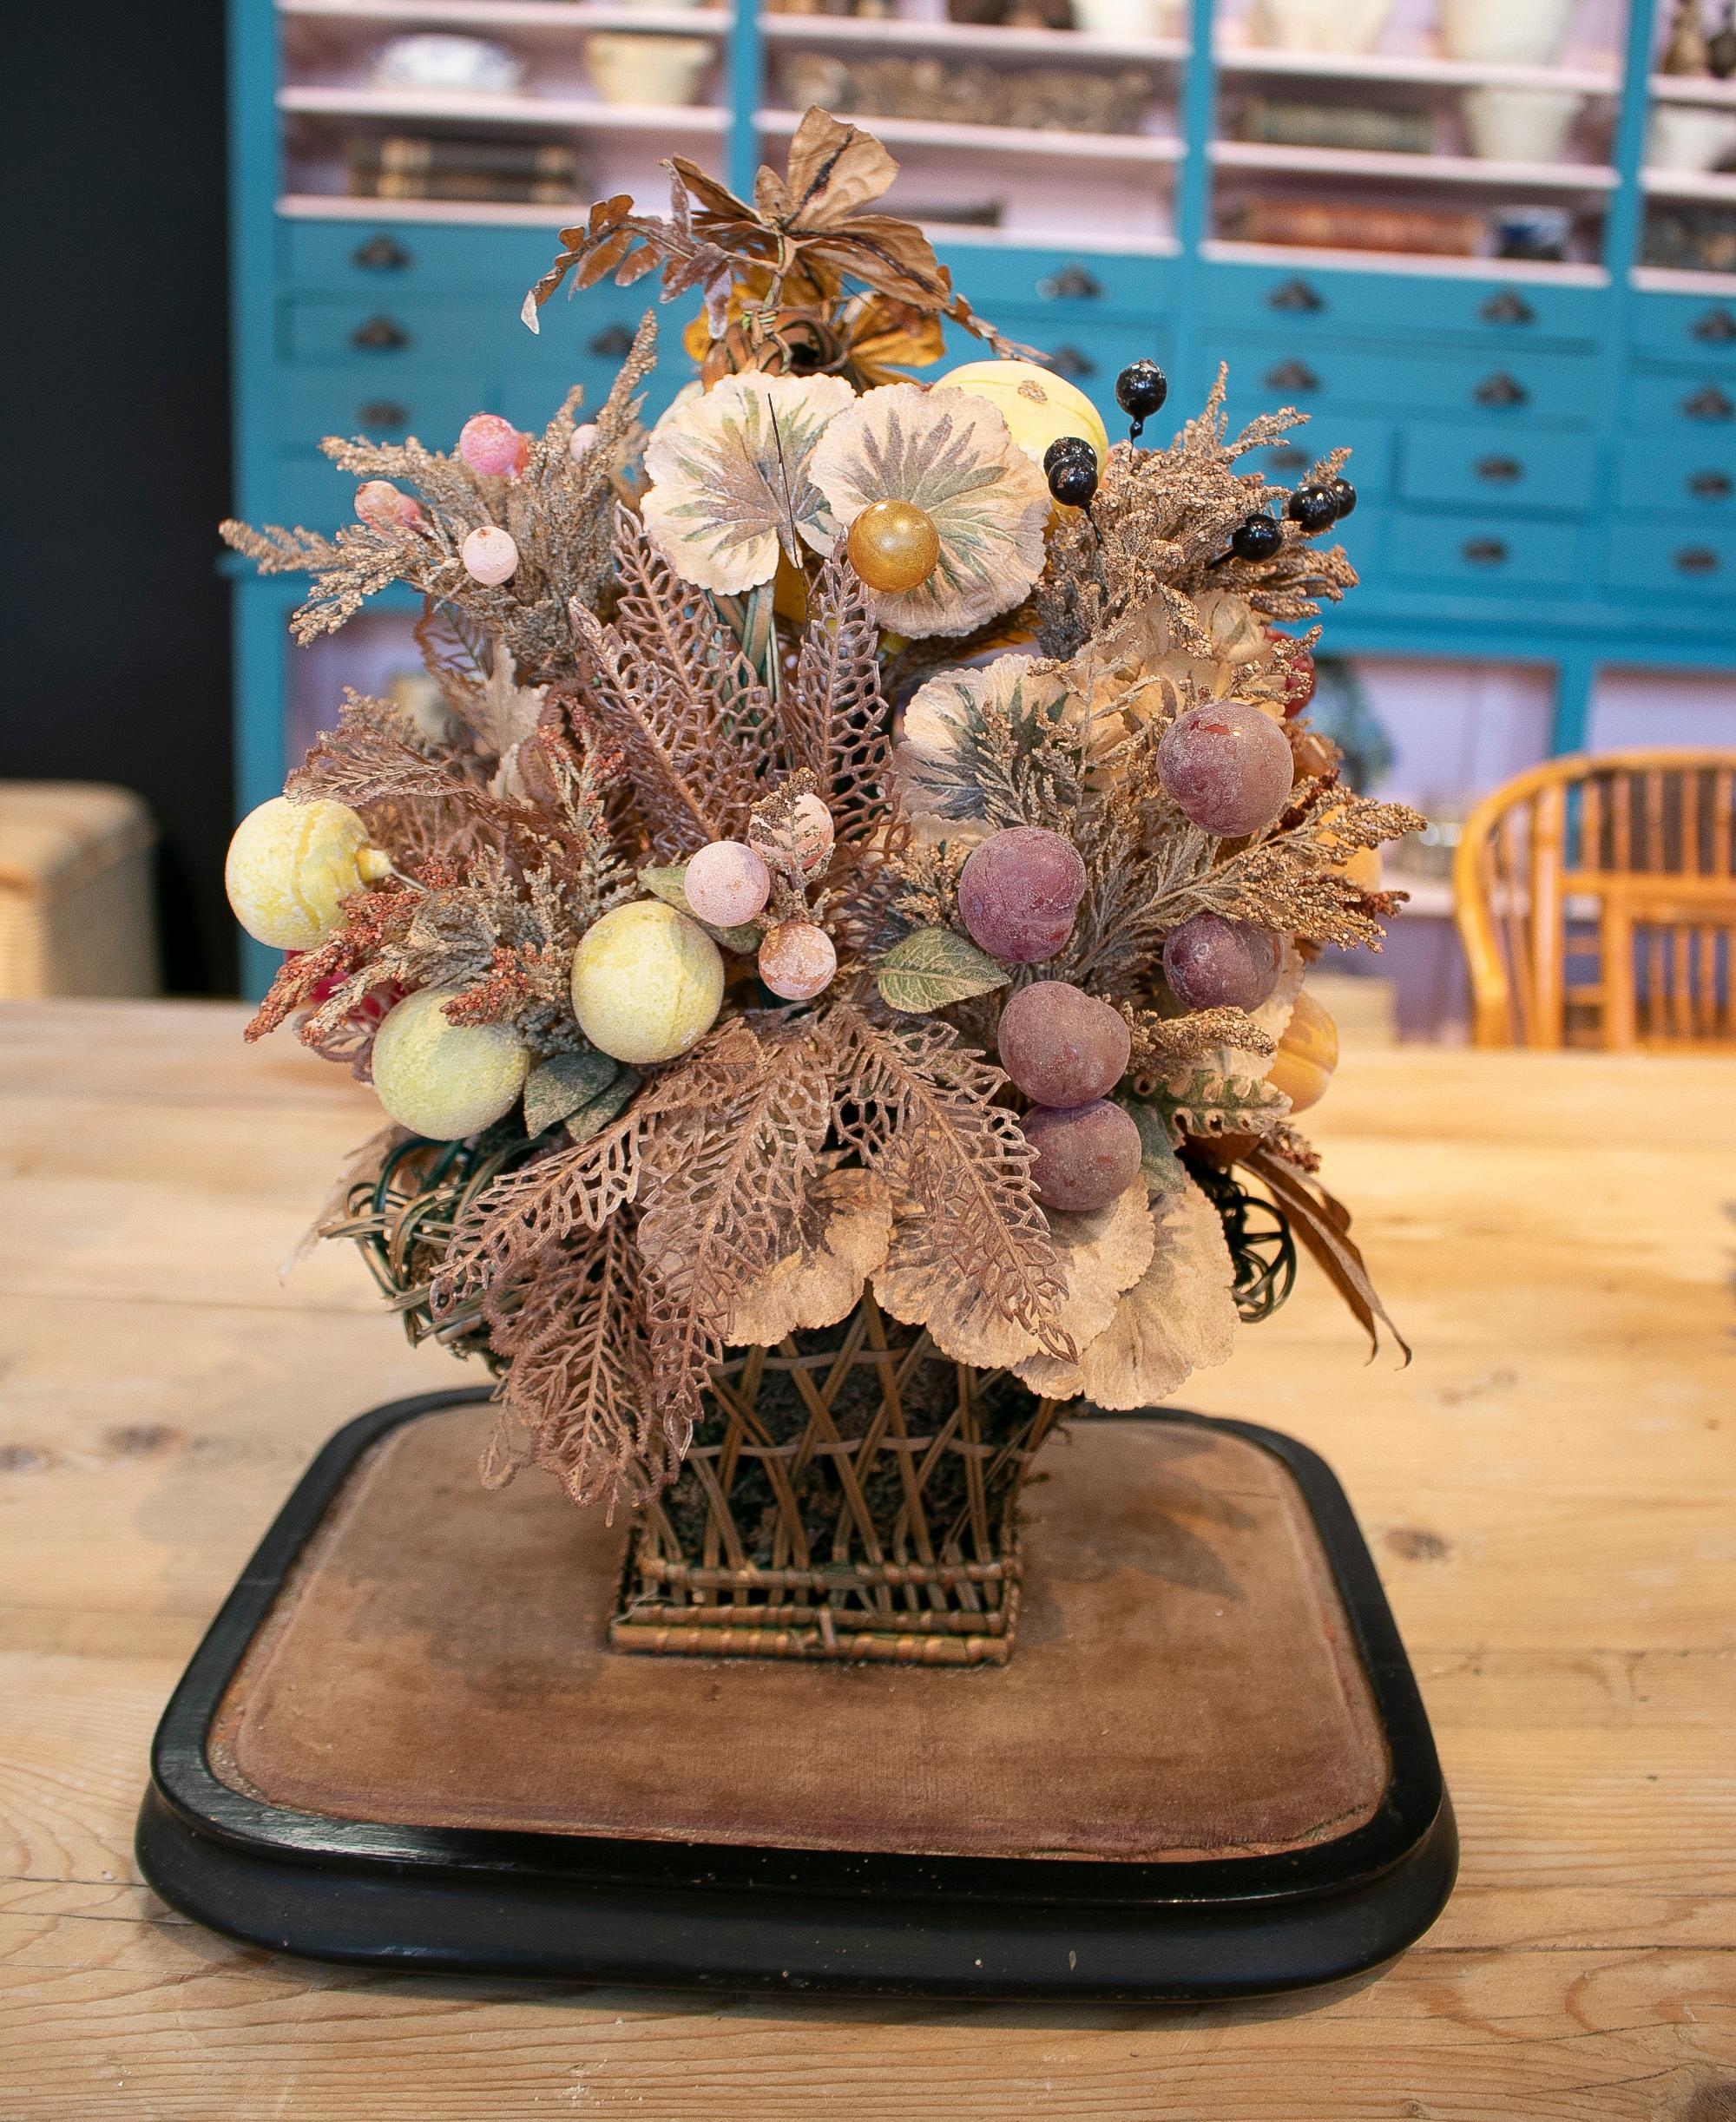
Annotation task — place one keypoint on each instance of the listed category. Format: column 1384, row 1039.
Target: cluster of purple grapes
column 1229, row 769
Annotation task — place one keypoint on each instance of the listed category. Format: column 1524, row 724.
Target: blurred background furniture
column 1597, row 903
column 76, row 898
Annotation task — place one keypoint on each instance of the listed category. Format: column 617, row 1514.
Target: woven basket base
column 411, row 1691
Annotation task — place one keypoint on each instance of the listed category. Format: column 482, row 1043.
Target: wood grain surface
column 1548, row 1490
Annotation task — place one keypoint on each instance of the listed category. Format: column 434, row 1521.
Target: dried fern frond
column 832, row 714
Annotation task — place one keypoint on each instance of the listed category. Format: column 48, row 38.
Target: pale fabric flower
column 952, row 455
column 730, row 479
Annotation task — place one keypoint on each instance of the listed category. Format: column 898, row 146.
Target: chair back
column 1596, row 899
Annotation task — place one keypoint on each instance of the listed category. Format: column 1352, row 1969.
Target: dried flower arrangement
column 868, row 875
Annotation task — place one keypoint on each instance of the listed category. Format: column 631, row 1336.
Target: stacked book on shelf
column 404, row 166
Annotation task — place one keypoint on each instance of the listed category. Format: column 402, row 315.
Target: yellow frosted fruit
column 290, row 865
column 1307, row 1054
column 647, row 982
column 444, row 1080
column 1039, row 406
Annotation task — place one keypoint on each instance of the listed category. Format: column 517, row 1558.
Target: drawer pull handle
column 1708, row 405
column 1071, row 362
column 382, row 412
column 1292, row 376
column 1484, row 552
column 1296, row 296
column 612, row 342
column 1284, row 458
column 1506, row 307
column 1501, row 389
column 1710, row 486
column 381, row 254
column 379, row 335
column 1500, row 470
column 1072, row 284
column 1716, row 328
column 1697, row 560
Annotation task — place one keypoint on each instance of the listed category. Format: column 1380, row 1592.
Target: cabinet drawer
column 1504, row 393
column 379, row 262
column 464, row 333
column 1067, row 288
column 1526, row 470
column 1680, row 558
column 1686, row 328
column 1483, row 551
column 1691, row 402
column 1499, row 315
column 360, row 400
column 1683, row 475
column 1370, row 469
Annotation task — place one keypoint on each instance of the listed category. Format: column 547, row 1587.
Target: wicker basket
column 853, row 1495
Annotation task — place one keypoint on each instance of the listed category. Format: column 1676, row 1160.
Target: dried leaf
column 1204, row 1103
column 1161, row 1169
column 832, row 712
column 845, row 1225
column 595, row 1115
column 1002, row 745
column 1324, row 1226
column 934, row 968
column 1178, row 1318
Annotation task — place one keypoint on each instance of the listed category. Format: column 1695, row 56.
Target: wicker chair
column 1597, row 901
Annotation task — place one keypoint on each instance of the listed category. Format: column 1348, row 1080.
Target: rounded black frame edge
column 520, row 1902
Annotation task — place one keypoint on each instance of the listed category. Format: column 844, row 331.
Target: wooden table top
column 1548, row 1491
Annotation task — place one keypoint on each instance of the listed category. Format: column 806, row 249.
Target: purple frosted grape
column 1087, row 1155
column 1228, row 766
column 1211, row 963
column 1019, row 893
column 1061, row 1045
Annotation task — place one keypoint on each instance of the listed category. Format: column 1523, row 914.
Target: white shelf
column 1704, row 184
column 897, row 33
column 1421, row 70
column 958, row 234
column 342, row 102
column 1544, row 272
column 1681, row 280
column 1456, row 169
column 1002, row 139
column 490, row 17
column 462, row 213
column 1694, row 88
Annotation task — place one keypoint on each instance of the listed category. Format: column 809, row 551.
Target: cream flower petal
column 731, row 478
column 953, row 455
column 936, row 762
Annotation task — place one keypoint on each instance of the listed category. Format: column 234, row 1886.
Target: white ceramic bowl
column 626, row 68
column 1319, row 25
column 1519, row 125
column 1506, row 32
column 1683, row 138
column 448, row 65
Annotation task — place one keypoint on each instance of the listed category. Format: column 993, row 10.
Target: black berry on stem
column 1343, row 498
column 1312, row 508
column 1140, row 389
column 1257, row 538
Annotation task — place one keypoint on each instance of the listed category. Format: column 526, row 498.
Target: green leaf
column 1203, row 1101
column 933, row 969
column 667, row 882
column 609, row 1104
column 1161, row 1169
column 563, row 1083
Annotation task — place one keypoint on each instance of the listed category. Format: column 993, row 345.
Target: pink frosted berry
column 1019, row 893
column 1061, row 1046
column 493, row 446
column 489, row 555
column 386, row 508
column 797, row 959
column 578, row 448
column 1228, row 765
column 1087, row 1155
column 726, row 883
column 1210, row 961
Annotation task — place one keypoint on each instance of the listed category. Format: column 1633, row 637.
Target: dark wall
column 116, row 628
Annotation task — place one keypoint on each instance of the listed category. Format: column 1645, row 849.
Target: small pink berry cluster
column 728, row 884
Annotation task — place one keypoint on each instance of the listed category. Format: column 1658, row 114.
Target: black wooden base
column 724, row 1917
